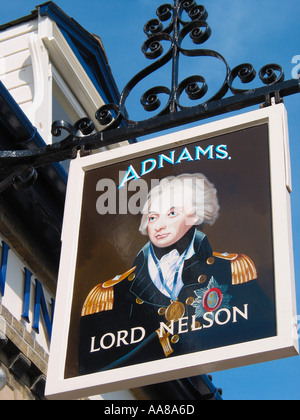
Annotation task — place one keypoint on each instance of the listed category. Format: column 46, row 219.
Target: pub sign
column 176, row 258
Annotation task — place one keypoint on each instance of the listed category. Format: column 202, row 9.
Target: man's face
column 167, row 225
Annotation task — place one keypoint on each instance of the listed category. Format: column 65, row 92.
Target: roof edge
column 34, row 14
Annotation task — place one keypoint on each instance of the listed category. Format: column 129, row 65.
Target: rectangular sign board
column 176, row 258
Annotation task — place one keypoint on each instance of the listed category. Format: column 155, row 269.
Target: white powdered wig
column 191, row 192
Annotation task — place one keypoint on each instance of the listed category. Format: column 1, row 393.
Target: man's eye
column 173, row 214
column 152, row 218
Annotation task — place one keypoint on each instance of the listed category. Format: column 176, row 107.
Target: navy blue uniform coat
column 139, row 303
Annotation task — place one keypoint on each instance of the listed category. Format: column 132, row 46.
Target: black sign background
column 109, row 244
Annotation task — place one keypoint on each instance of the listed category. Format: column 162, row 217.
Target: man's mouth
column 162, row 236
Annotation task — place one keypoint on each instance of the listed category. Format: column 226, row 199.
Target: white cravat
column 168, row 265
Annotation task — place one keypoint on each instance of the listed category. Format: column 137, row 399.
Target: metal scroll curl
column 174, row 23
column 171, row 26
column 196, row 87
column 82, row 127
column 270, row 74
column 151, row 102
column 60, row 126
column 110, row 116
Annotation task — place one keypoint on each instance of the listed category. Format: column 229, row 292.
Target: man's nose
column 161, row 224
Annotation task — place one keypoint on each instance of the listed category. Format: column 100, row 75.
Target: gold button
column 211, row 261
column 139, row 301
column 175, row 339
column 202, row 279
column 190, row 301
column 162, row 311
column 131, row 277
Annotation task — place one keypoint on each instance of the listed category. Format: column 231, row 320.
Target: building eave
column 84, row 44
column 19, row 21
column 39, row 208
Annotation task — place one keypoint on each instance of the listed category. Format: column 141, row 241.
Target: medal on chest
column 175, row 311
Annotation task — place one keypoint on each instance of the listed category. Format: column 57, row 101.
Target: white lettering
column 117, row 410
column 183, row 326
column 228, row 313
column 113, row 340
column 135, row 340
column 183, row 322
column 242, row 314
column 121, row 338
column 209, row 317
column 93, row 350
column 164, row 328
column 122, row 335
column 194, row 326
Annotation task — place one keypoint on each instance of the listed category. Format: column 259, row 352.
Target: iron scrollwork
column 173, row 26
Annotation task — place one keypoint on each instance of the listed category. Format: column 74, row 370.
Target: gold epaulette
column 101, row 297
column 243, row 268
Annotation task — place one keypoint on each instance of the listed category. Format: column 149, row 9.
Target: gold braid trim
column 101, row 297
column 98, row 300
column 243, row 268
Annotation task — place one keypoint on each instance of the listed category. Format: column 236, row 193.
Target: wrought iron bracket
column 172, row 27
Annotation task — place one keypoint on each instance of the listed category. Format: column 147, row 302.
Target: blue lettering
column 221, row 151
column 130, row 174
column 3, row 268
column 26, row 297
column 185, row 155
column 144, row 165
column 40, row 301
column 209, row 150
column 163, row 158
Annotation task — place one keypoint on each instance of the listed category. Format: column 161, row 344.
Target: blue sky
column 242, row 31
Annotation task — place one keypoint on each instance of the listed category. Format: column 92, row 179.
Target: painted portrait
column 190, row 271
